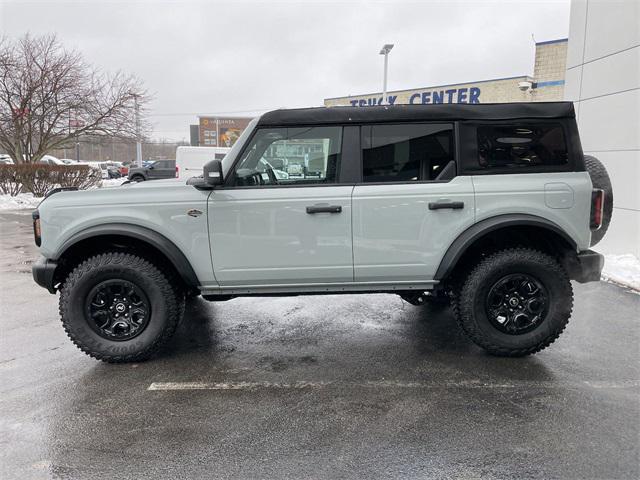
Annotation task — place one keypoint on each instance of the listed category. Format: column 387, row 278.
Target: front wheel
column 515, row 302
column 119, row 307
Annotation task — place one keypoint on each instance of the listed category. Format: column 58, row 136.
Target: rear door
column 410, row 205
column 165, row 169
column 269, row 228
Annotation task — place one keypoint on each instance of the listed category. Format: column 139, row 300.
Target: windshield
column 230, row 157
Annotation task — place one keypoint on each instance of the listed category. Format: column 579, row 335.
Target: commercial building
column 546, row 84
column 603, row 80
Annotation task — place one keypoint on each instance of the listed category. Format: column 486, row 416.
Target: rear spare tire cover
column 600, row 179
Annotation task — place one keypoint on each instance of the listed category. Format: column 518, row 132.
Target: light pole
column 138, row 144
column 386, row 48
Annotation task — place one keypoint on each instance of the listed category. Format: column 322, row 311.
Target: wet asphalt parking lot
column 315, row 387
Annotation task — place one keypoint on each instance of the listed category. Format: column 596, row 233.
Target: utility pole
column 386, row 48
column 138, row 143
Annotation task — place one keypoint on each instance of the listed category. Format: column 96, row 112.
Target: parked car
column 51, row 160
column 5, row 160
column 113, row 169
column 493, row 207
column 153, row 170
column 64, row 162
column 122, row 168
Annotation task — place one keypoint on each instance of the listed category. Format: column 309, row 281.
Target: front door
column 410, row 205
column 278, row 222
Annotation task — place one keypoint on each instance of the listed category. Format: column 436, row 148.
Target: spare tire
column 600, row 179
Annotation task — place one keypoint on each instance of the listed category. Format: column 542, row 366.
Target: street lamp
column 386, row 48
column 138, row 142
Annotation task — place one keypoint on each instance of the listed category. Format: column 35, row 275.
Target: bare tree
column 49, row 96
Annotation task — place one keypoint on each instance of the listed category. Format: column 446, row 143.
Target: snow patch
column 19, row 202
column 622, row 270
column 28, row 201
column 113, row 182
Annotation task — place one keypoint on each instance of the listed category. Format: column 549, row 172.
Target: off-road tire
column 166, row 302
column 600, row 179
column 469, row 301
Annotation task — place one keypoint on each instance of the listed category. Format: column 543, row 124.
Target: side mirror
column 212, row 173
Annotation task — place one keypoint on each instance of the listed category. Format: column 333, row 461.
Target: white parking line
column 232, row 385
column 299, row 385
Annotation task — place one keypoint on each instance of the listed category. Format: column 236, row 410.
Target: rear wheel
column 119, row 307
column 514, row 302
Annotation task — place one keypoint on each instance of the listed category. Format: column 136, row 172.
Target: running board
column 314, row 288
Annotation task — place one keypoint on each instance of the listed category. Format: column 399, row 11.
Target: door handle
column 442, row 205
column 324, row 208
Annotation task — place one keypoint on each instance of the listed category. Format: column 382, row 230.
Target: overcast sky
column 206, row 57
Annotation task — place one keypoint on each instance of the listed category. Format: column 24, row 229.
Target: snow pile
column 20, row 201
column 623, row 270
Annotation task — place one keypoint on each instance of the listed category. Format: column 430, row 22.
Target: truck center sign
column 498, row 90
column 451, row 95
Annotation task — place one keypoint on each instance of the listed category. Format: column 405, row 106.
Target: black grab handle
column 324, row 209
column 441, row 205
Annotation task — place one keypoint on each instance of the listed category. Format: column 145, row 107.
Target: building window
column 405, row 152
column 519, row 146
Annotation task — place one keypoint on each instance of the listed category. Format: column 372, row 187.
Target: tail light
column 177, row 171
column 36, row 227
column 597, row 208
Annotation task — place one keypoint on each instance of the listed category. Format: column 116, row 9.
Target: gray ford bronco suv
column 492, row 207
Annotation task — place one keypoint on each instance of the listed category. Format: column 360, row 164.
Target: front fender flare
column 157, row 240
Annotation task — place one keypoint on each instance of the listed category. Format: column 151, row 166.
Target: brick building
column 547, row 84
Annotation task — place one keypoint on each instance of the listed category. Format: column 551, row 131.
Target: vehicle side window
column 405, row 152
column 522, row 145
column 290, row 156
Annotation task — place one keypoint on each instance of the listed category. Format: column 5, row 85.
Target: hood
column 156, row 191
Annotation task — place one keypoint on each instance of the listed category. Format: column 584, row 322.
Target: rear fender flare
column 475, row 232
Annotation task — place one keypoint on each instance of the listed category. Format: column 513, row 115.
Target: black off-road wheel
column 138, row 178
column 119, row 307
column 514, row 302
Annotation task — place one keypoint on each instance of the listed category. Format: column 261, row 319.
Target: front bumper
column 43, row 271
column 587, row 267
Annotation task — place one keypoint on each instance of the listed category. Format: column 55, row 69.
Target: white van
column 190, row 160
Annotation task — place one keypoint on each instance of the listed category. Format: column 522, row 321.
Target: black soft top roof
column 407, row 113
